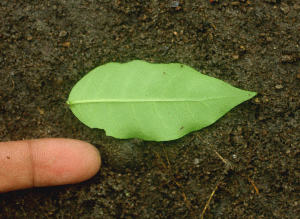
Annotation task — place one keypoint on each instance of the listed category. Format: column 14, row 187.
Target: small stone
column 279, row 86
column 12, row 31
column 196, row 161
column 63, row 33
column 269, row 39
column 67, row 44
column 235, row 57
column 287, row 58
column 285, row 8
column 174, row 4
column 59, row 80
column 296, row 7
column 29, row 38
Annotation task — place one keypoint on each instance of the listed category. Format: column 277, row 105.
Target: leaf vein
column 145, row 100
column 159, row 116
column 138, row 123
column 111, row 117
column 208, row 107
column 187, row 109
column 91, row 111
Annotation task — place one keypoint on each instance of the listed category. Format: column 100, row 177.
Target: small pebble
column 59, row 80
column 235, row 57
column 285, row 8
column 67, row 44
column 63, row 33
column 287, row 58
column 174, row 4
column 279, row 86
column 196, row 161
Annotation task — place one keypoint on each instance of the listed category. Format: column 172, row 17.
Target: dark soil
column 47, row 46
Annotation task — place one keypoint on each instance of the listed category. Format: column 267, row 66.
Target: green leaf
column 154, row 102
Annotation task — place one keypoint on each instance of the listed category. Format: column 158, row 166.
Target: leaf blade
column 158, row 102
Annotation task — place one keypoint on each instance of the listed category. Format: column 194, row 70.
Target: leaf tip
column 252, row 94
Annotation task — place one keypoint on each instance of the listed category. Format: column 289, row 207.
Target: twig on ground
column 212, row 194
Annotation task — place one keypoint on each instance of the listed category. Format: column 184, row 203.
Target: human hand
column 46, row 162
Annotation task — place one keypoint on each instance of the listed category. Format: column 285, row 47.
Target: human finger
column 46, row 162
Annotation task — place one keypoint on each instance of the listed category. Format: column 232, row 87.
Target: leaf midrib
column 146, row 100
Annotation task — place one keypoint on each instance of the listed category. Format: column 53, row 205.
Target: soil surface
column 247, row 162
